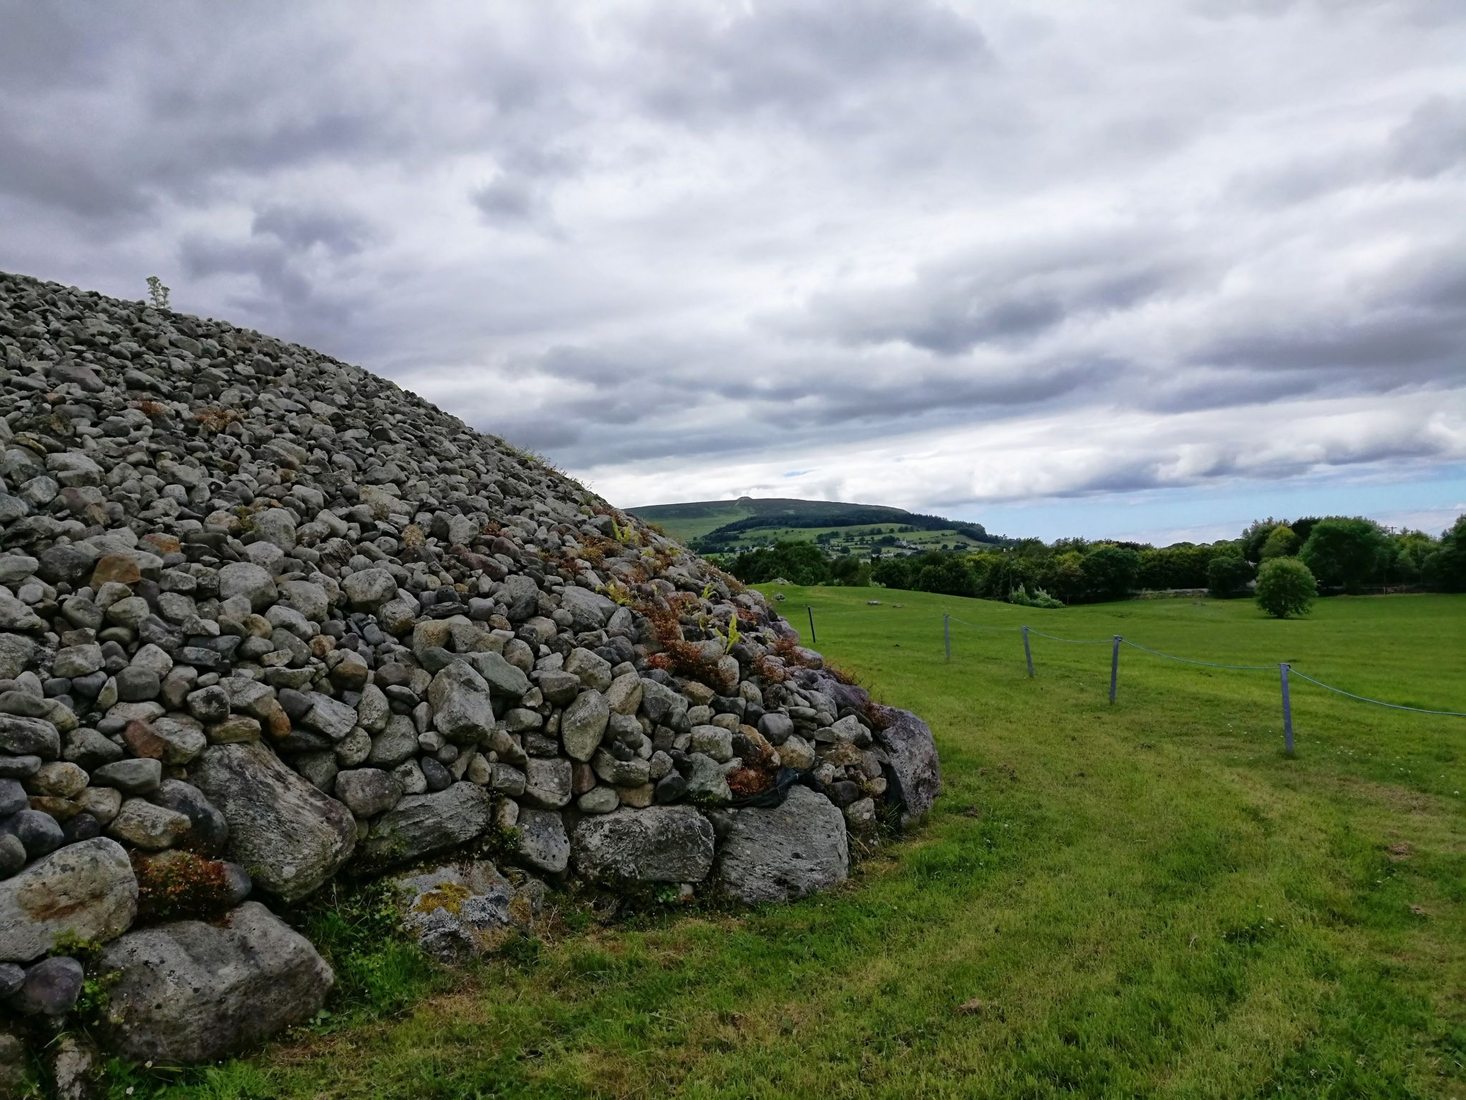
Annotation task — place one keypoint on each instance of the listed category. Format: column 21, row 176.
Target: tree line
column 1343, row 553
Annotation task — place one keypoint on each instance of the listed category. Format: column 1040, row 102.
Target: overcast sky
column 1133, row 268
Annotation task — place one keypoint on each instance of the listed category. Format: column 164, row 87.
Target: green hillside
column 730, row 526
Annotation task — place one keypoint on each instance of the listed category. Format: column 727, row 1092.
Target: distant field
column 845, row 537
column 799, row 520
column 695, row 523
column 1145, row 899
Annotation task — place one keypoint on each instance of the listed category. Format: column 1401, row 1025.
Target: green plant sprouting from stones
column 157, row 293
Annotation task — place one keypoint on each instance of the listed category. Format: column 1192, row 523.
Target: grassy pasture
column 1145, row 899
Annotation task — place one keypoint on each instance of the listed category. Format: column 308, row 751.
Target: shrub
column 1285, row 586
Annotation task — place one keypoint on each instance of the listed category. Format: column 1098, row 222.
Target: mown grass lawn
column 1145, row 899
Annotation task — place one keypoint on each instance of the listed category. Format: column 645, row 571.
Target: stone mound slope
column 266, row 619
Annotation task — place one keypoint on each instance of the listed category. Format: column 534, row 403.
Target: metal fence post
column 813, row 638
column 1028, row 653
column 1287, row 711
column 1115, row 667
column 947, row 634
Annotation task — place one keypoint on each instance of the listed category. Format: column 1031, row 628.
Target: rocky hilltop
column 267, row 619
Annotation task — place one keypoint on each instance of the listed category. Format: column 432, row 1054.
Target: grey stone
column 245, row 579
column 548, row 782
column 462, row 708
column 395, row 744
column 21, row 736
column 705, row 780
column 193, row 991
column 368, row 791
column 915, row 769
column 16, row 654
column 502, row 677
column 209, row 830
column 135, row 775
column 85, row 890
column 369, row 588
column 425, row 823
column 662, row 705
column 588, row 610
column 51, row 987
column 776, row 726
column 13, row 798
column 16, row 616
column 12, row 855
column 144, row 825
column 77, row 660
column 39, row 832
column 786, row 852
column 713, row 741
column 657, row 844
column 594, row 670
column 458, row 911
column 583, row 724
column 598, row 800
column 542, row 842
column 330, row 717
column 286, row 833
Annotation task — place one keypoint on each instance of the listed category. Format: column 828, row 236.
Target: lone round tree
column 1285, row 587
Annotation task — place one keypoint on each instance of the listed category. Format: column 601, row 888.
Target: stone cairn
column 267, row 619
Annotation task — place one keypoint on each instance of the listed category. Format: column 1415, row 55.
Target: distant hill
column 731, row 526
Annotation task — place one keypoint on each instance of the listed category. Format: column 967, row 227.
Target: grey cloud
column 297, row 227
column 507, row 201
column 800, row 59
column 1433, row 139
column 1008, row 299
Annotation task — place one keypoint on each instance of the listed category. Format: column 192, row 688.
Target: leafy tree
column 1281, row 542
column 1346, row 551
column 1303, row 527
column 1410, row 556
column 1065, row 575
column 1110, row 572
column 1227, row 575
column 948, row 575
column 1256, row 535
column 1285, row 587
column 1447, row 566
column 797, row 562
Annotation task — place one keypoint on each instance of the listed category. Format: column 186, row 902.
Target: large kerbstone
column 285, row 832
column 914, row 764
column 193, row 991
column 786, row 852
column 657, row 844
column 86, row 890
column 424, row 823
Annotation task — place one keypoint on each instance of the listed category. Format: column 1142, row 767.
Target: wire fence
column 1283, row 669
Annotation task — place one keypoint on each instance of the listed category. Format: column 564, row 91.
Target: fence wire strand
column 1376, row 702
column 1071, row 641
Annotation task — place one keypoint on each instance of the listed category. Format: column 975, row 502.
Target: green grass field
column 1144, row 899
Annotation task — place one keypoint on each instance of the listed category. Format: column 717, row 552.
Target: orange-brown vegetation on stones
column 746, row 781
column 181, row 885
column 770, row 670
column 216, row 418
